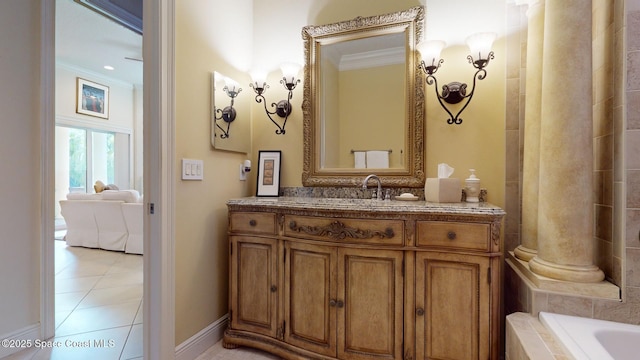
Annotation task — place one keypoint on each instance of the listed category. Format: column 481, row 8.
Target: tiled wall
column 514, row 124
column 617, row 173
column 631, row 136
column 603, row 138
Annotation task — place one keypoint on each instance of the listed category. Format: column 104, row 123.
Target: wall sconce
column 283, row 107
column 228, row 114
column 454, row 92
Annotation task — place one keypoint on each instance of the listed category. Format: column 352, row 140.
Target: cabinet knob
column 274, row 288
column 451, row 235
column 340, row 303
column 419, row 311
column 332, row 303
column 253, row 222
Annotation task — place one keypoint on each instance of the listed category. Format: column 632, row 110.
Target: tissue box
column 443, row 190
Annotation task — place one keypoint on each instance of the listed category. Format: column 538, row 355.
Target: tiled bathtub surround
column 527, row 338
column 631, row 217
column 616, row 136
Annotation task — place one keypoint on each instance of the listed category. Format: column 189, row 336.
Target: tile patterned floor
column 99, row 297
column 217, row 352
column 98, row 303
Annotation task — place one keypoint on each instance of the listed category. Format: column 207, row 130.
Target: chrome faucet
column 376, row 178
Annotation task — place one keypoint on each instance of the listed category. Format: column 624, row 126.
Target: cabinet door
column 452, row 306
column 370, row 304
column 310, row 305
column 253, row 284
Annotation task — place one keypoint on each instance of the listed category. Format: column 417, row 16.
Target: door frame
column 159, row 152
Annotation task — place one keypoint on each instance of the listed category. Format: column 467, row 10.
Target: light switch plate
column 192, row 169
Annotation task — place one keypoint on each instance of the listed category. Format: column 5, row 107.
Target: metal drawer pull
column 419, row 311
column 340, row 303
column 451, row 235
column 253, row 222
column 332, row 303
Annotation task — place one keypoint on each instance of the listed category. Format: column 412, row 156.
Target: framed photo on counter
column 268, row 183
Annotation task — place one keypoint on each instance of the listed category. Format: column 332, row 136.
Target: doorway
column 159, row 119
column 98, row 293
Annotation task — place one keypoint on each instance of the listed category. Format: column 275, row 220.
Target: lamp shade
column 231, row 84
column 480, row 44
column 430, row 50
column 259, row 78
column 290, row 71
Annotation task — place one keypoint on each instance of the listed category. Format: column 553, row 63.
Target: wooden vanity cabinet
column 342, row 302
column 253, row 284
column 452, row 306
column 305, row 285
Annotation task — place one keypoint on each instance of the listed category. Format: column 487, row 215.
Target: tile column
column 531, row 162
column 565, row 206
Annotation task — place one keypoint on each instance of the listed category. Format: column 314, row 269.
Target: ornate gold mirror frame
column 411, row 174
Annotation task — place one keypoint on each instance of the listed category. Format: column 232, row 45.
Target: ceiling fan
column 133, row 59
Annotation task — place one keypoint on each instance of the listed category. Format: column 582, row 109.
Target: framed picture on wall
column 268, row 173
column 92, row 98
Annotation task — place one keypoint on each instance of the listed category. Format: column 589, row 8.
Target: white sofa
column 110, row 220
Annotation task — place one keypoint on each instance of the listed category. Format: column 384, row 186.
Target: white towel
column 378, row 159
column 359, row 159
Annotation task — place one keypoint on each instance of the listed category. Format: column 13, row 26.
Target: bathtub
column 592, row 339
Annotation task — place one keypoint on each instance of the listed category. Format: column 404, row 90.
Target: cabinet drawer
column 453, row 235
column 359, row 231
column 253, row 222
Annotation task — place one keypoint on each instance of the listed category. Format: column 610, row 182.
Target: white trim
column 375, row 58
column 159, row 183
column 29, row 333
column 83, row 123
column 47, row 169
column 93, row 75
column 204, row 339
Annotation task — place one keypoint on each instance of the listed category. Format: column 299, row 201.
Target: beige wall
column 209, row 37
column 372, row 112
column 478, row 143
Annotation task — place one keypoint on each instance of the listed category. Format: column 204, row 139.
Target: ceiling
column 88, row 40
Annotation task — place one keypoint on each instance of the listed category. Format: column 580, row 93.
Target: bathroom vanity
column 317, row 278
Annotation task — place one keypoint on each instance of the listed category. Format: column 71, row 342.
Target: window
column 84, row 156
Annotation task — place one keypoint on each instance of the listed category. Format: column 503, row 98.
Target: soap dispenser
column 472, row 187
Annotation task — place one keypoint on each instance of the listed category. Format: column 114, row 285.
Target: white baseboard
column 200, row 342
column 29, row 333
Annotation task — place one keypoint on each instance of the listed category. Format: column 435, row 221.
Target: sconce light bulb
column 231, row 87
column 480, row 45
column 290, row 72
column 430, row 51
column 259, row 77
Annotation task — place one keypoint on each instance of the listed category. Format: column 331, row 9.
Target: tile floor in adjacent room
column 98, row 296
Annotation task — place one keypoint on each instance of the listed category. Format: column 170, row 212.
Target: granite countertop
column 387, row 206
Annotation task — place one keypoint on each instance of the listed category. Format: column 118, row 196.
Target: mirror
column 230, row 115
column 363, row 101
